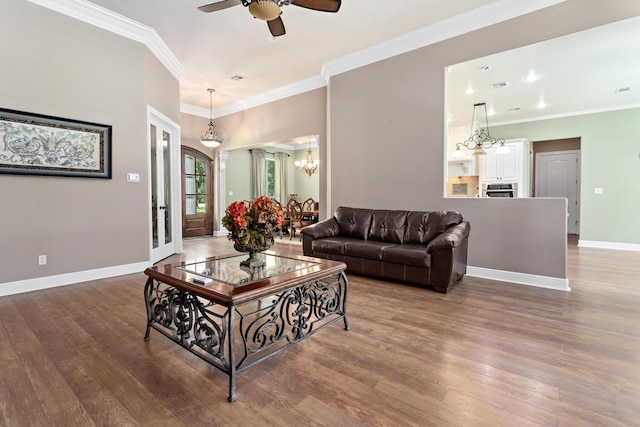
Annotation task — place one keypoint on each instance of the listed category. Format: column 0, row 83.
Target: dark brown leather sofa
column 426, row 248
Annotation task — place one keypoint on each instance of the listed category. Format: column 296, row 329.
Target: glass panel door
column 160, row 145
column 197, row 200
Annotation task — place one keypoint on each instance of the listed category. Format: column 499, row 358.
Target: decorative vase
column 253, row 246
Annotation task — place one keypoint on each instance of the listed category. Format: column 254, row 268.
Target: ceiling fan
column 269, row 10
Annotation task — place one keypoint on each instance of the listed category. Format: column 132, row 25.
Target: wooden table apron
column 235, row 327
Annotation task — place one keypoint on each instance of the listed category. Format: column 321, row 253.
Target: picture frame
column 34, row 144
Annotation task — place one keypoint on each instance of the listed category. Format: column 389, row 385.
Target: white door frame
column 155, row 117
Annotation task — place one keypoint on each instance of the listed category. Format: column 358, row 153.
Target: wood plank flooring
column 487, row 354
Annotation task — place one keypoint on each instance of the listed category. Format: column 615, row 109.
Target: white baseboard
column 11, row 288
column 29, row 285
column 221, row 233
column 609, row 245
column 520, row 278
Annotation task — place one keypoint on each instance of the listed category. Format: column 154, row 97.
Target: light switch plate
column 598, row 190
column 133, row 177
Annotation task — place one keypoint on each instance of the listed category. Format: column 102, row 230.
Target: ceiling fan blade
column 321, row 5
column 219, row 5
column 276, row 26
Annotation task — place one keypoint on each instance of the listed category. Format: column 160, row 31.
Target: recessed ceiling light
column 469, row 90
column 541, row 104
column 499, row 85
column 623, row 89
column 237, row 77
column 532, row 76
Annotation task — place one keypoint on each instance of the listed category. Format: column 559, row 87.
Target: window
column 270, row 176
column 195, row 186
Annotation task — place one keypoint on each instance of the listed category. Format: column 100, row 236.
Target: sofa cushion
column 365, row 249
column 411, row 254
column 422, row 227
column 354, row 222
column 388, row 226
column 330, row 245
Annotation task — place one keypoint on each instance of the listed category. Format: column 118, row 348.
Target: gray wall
column 390, row 117
column 386, row 140
column 58, row 66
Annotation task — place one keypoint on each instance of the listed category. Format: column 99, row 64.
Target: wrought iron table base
column 234, row 338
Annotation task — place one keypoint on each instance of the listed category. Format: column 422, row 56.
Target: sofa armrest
column 452, row 237
column 327, row 228
column 449, row 256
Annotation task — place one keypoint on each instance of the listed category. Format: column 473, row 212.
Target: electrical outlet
column 598, row 190
column 42, row 259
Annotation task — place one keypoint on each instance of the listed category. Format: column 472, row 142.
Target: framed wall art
column 32, row 144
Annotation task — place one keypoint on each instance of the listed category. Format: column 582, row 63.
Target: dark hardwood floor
column 487, row 354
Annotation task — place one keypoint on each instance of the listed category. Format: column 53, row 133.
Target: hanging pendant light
column 310, row 166
column 210, row 138
column 480, row 140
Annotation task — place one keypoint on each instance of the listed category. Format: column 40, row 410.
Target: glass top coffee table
column 233, row 316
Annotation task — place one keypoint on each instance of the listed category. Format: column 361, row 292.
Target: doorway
column 197, row 200
column 558, row 175
column 164, row 156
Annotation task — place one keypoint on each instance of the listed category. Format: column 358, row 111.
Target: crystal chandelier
column 310, row 166
column 210, row 138
column 480, row 140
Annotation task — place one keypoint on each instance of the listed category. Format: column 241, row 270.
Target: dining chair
column 297, row 222
column 309, row 208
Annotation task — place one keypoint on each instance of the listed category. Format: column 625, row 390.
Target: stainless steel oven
column 504, row 189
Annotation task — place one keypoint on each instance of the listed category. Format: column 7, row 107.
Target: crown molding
column 107, row 20
column 493, row 13
column 277, row 94
column 490, row 14
column 475, row 19
column 567, row 114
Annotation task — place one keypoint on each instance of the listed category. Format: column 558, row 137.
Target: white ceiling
column 213, row 47
column 579, row 73
column 576, row 73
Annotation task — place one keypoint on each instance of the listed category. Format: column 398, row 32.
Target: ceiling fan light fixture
column 265, row 10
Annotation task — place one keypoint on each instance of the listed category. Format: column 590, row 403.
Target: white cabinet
column 512, row 167
column 463, row 166
column 502, row 167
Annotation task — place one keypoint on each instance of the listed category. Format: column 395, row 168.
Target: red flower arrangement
column 251, row 227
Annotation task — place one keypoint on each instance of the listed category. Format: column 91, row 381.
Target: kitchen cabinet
column 502, row 167
column 464, row 166
column 510, row 167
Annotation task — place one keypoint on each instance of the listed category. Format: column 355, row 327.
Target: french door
column 164, row 168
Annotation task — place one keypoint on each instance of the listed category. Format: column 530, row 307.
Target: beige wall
column 58, row 66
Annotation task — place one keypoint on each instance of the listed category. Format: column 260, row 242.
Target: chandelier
column 480, row 140
column 310, row 166
column 210, row 138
